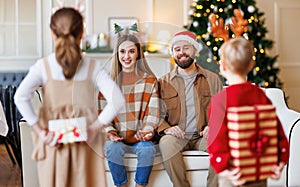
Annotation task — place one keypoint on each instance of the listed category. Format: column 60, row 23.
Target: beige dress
column 74, row 164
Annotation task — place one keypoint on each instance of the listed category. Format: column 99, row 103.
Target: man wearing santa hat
column 185, row 92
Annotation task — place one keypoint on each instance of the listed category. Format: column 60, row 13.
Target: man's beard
column 185, row 64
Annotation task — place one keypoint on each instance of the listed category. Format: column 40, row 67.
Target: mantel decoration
column 96, row 43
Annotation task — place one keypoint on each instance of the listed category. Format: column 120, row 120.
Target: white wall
column 282, row 24
column 165, row 11
column 153, row 15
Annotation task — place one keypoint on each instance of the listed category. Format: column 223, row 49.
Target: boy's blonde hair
column 238, row 55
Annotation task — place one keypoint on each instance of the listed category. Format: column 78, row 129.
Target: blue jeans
column 115, row 151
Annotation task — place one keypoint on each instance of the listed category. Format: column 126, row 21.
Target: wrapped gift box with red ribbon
column 253, row 140
column 69, row 130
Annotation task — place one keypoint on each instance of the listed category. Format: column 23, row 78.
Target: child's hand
column 232, row 176
column 277, row 171
column 143, row 136
column 93, row 130
column 46, row 136
column 113, row 136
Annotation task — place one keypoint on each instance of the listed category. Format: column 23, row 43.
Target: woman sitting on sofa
column 135, row 124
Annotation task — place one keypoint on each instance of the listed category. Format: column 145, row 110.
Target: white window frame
column 17, row 29
column 21, row 62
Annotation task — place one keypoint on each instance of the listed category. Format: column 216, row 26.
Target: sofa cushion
column 196, row 160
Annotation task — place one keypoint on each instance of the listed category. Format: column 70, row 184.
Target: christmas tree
column 265, row 72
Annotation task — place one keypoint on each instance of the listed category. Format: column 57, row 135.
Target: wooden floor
column 10, row 175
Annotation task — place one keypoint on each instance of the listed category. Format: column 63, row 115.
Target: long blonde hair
column 67, row 25
column 141, row 63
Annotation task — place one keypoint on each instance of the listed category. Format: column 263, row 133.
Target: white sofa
column 196, row 161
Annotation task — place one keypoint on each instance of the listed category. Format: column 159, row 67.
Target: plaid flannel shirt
column 141, row 111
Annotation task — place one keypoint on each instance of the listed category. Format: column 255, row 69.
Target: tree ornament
column 225, row 10
column 195, row 23
column 251, row 9
column 215, row 9
column 209, row 29
column 205, row 36
column 191, row 12
column 245, row 35
column 258, row 33
column 228, row 21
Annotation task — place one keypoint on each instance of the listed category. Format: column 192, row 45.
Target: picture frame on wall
column 124, row 22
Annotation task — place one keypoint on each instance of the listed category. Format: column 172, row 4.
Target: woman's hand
column 113, row 136
column 45, row 136
column 232, row 176
column 143, row 136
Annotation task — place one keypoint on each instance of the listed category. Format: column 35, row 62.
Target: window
column 20, row 29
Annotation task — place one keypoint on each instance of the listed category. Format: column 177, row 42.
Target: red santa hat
column 186, row 36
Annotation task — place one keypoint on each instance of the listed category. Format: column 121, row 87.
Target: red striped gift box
column 253, row 140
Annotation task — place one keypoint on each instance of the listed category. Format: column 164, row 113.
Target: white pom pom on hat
column 185, row 36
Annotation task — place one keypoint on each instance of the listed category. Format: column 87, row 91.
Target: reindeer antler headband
column 238, row 27
column 79, row 6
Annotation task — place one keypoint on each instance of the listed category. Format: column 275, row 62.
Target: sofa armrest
column 286, row 116
column 29, row 169
column 290, row 121
column 293, row 166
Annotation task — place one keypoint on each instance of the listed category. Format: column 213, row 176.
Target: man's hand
column 204, row 133
column 232, row 176
column 175, row 131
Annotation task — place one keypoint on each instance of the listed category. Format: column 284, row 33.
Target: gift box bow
column 258, row 143
column 63, row 132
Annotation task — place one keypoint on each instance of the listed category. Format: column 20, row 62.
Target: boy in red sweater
column 236, row 62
